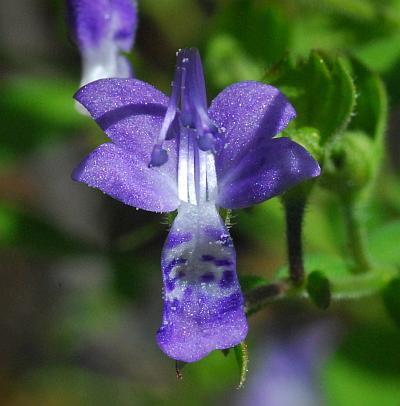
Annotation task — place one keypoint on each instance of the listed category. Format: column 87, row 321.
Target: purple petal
column 245, row 112
column 131, row 113
column 103, row 29
column 288, row 370
column 265, row 170
column 95, row 22
column 122, row 176
column 125, row 14
column 203, row 304
column 89, row 21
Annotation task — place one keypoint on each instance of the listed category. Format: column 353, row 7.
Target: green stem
column 258, row 297
column 356, row 237
column 344, row 288
column 294, row 211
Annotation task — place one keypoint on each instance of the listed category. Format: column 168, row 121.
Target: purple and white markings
column 103, row 31
column 203, row 304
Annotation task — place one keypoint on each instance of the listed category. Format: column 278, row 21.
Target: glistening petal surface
column 94, row 22
column 89, row 21
column 245, row 112
column 130, row 112
column 125, row 23
column 203, row 304
column 267, row 169
column 119, row 174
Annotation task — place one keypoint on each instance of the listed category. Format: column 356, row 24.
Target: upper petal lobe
column 131, row 113
column 125, row 23
column 89, row 21
column 246, row 112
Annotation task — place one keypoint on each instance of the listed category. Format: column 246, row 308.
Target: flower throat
column 198, row 139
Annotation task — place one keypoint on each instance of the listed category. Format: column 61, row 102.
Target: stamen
column 172, row 108
column 202, row 182
column 196, row 96
column 183, row 166
column 198, row 78
column 212, row 185
column 159, row 156
column 191, row 164
column 186, row 110
column 173, row 130
column 197, row 136
column 169, row 127
column 207, row 142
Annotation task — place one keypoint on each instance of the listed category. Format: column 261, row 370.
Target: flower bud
column 350, row 164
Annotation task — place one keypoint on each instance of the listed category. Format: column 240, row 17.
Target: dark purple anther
column 159, row 156
column 187, row 120
column 206, row 142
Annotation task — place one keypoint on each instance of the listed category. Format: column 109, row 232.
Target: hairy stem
column 348, row 287
column 356, row 237
column 258, row 297
column 294, row 211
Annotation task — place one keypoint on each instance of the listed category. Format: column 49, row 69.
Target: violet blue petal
column 203, row 303
column 131, row 113
column 121, row 175
column 89, row 21
column 246, row 112
column 125, row 15
column 289, row 372
column 265, row 169
column 103, row 29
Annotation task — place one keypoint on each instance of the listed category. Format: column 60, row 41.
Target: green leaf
column 391, row 299
column 320, row 88
column 372, row 105
column 242, row 359
column 355, row 9
column 319, row 290
column 307, row 137
column 381, row 54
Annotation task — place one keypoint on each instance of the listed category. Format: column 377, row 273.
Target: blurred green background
column 80, row 292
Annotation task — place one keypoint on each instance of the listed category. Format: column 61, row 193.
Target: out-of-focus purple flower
column 175, row 153
column 287, row 373
column 103, row 29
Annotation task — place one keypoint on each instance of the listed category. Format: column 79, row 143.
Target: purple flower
column 174, row 153
column 289, row 371
column 103, row 29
